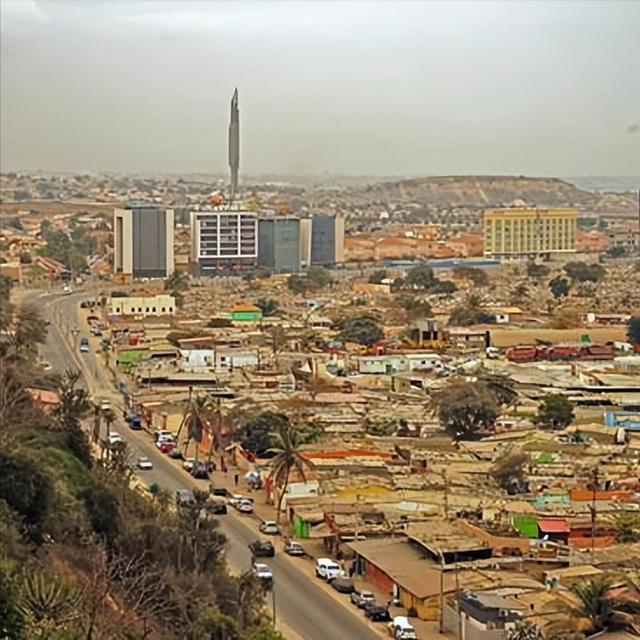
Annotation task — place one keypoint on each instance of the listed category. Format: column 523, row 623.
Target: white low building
column 160, row 305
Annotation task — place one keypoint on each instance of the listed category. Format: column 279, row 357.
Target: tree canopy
column 559, row 287
column 319, row 277
column 465, row 408
column 378, row 276
column 583, row 272
column 268, row 306
column 633, row 330
column 421, row 277
column 555, row 412
column 363, row 329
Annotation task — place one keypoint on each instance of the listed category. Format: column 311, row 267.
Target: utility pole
column 446, row 494
column 273, row 602
column 441, row 617
column 595, row 481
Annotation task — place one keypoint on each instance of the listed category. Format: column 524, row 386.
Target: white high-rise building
column 224, row 240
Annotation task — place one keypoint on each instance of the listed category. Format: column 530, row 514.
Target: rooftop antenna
column 234, row 144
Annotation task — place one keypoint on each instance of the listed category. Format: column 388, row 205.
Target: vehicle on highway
column 163, row 436
column 245, row 507
column 115, row 437
column 262, row 549
column 377, row 612
column 184, row 497
column 362, row 598
column 264, row 574
column 144, row 464
column 165, row 440
column 327, row 569
column 402, row 629
column 84, row 345
column 216, row 507
column 236, row 498
column 269, row 527
column 294, row 548
column 188, row 463
column 166, row 447
column 343, row 584
column 105, row 404
column 217, row 491
column 135, row 423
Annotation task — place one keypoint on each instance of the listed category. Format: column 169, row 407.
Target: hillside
column 486, row 191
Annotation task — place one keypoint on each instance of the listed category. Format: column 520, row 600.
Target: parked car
column 294, row 548
column 184, row 497
column 262, row 549
column 377, row 613
column 327, row 569
column 199, row 471
column 236, row 498
column 188, row 463
column 362, row 598
column 158, row 434
column 164, row 436
column 264, row 573
column 84, row 345
column 95, row 331
column 245, row 507
column 269, row 527
column 144, row 464
column 175, row 453
column 402, row 629
column 343, row 584
column 105, row 404
column 165, row 447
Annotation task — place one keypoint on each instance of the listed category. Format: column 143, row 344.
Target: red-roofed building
column 554, row 529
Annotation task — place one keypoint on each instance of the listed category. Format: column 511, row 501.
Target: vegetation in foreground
column 82, row 554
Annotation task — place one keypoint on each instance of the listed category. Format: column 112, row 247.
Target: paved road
column 302, row 604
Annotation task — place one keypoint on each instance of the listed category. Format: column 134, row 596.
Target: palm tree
column 97, row 421
column 194, row 419
column 217, row 428
column 287, row 458
column 602, row 610
column 109, row 419
column 30, row 327
column 73, row 401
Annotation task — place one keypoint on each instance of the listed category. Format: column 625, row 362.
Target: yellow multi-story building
column 527, row 231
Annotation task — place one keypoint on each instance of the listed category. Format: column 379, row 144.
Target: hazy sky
column 355, row 87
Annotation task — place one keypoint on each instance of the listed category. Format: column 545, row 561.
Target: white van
column 403, row 629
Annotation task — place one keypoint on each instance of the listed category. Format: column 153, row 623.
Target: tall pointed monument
column 234, row 144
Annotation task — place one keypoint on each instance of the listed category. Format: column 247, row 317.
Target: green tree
column 319, row 277
column 633, row 330
column 524, row 630
column 420, row 277
column 414, row 307
column 501, row 385
column 555, row 412
column 6, row 308
column 256, row 434
column 477, row 276
column 287, row 459
column 617, row 251
column 298, row 284
column 510, row 468
column 177, row 281
column 11, row 619
column 627, row 527
column 30, row 327
column 583, row 272
column 363, row 329
column 559, row 287
column 465, row 408
column 535, row 270
column 378, row 276
column 269, row 307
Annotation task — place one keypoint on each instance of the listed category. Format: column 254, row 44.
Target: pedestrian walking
column 236, row 478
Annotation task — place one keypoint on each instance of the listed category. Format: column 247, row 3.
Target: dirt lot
column 509, row 337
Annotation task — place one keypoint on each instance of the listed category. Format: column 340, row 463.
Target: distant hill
column 486, row 191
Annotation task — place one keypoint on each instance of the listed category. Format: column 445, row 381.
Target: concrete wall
column 470, row 630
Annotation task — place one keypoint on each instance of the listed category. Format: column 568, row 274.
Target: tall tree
column 465, row 408
column 286, row 460
column 555, row 411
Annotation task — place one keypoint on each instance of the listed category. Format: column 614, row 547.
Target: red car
column 166, row 447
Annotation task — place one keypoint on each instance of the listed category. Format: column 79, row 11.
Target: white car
column 105, row 404
column 327, row 569
column 115, row 437
column 164, row 437
column 236, row 498
column 270, row 528
column 245, row 506
column 188, row 463
column 263, row 571
column 144, row 464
